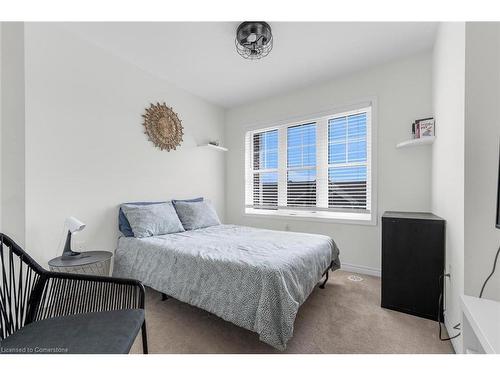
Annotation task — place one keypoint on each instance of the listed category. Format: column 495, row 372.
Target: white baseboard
column 458, row 342
column 361, row 269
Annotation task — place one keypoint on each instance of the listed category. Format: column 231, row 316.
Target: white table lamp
column 73, row 225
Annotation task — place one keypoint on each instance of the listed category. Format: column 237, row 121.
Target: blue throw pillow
column 123, row 224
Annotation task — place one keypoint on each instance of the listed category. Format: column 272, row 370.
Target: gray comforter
column 254, row 278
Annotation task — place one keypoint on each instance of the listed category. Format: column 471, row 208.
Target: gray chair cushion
column 106, row 332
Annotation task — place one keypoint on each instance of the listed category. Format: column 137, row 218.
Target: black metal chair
column 49, row 312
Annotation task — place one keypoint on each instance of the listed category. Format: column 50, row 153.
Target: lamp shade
column 73, row 224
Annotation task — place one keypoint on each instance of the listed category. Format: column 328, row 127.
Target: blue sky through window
column 301, row 152
column 267, row 145
column 266, row 152
column 347, row 144
column 347, row 174
column 269, row 177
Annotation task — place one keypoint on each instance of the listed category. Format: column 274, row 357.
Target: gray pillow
column 152, row 220
column 195, row 215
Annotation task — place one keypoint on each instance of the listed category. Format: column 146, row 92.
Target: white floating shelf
column 416, row 142
column 218, row 148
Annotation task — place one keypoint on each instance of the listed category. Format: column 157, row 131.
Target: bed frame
column 322, row 286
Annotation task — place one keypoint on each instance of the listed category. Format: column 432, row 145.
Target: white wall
column 482, row 136
column 448, row 158
column 403, row 92
column 85, row 147
column 13, row 132
column 81, row 149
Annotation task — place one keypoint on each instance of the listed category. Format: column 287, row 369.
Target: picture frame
column 425, row 128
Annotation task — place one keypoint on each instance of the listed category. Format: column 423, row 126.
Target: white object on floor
column 355, row 278
column 417, row 142
column 481, row 325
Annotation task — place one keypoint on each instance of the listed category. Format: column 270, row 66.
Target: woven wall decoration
column 163, row 126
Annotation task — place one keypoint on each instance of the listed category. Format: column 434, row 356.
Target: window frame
column 321, row 213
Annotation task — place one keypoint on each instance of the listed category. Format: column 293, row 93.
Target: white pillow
column 153, row 219
column 195, row 215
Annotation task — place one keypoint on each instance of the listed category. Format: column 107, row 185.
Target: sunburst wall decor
column 163, row 126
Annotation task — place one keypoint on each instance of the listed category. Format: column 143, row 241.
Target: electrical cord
column 491, row 274
column 440, row 303
column 443, row 291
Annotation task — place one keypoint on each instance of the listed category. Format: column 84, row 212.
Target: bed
column 254, row 278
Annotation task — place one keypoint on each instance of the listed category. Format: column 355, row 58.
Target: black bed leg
column 322, row 286
column 144, row 338
column 164, row 297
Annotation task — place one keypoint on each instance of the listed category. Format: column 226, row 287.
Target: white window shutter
column 316, row 168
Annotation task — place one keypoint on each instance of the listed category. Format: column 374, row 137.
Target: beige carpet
column 346, row 317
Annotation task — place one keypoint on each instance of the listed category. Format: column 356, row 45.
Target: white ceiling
column 200, row 57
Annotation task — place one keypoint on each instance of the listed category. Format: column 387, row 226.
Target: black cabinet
column 413, row 248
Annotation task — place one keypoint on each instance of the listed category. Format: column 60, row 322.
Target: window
column 347, row 162
column 319, row 168
column 301, row 166
column 265, row 169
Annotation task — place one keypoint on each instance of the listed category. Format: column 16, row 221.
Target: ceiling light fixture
column 254, row 40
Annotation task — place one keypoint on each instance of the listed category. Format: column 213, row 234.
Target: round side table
column 90, row 263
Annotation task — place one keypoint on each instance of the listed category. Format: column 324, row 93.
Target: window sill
column 327, row 217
